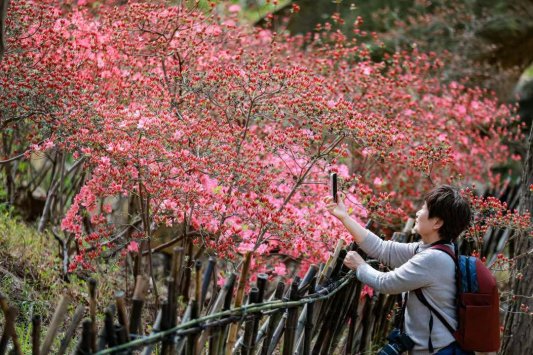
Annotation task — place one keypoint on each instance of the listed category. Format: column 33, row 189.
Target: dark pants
column 454, row 349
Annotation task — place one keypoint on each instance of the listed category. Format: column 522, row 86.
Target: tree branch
column 51, row 194
column 16, row 157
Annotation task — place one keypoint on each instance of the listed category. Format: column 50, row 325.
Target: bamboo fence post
column 137, row 304
column 108, row 331
column 57, row 318
column 222, row 340
column 322, row 334
column 367, row 311
column 326, row 272
column 216, row 306
column 300, row 329
column 354, row 307
column 10, row 331
column 260, row 286
column 92, row 311
column 277, row 334
column 198, row 281
column 35, row 334
column 341, row 305
column 304, row 322
column 76, row 319
column 197, row 307
column 349, row 299
column 4, row 306
column 234, row 327
column 383, row 324
column 191, row 339
column 84, row 346
column 335, row 320
column 173, row 289
column 308, row 283
column 351, row 329
column 155, row 328
column 338, row 264
column 273, row 320
column 261, row 283
column 120, row 334
column 308, row 277
column 223, row 299
column 120, row 300
column 14, row 336
column 248, row 326
column 308, row 332
column 326, row 314
column 172, row 302
column 186, row 317
column 261, row 333
column 257, row 332
column 5, row 334
column 206, row 279
column 292, row 318
column 101, row 341
column 342, row 312
column 165, row 324
column 378, row 309
column 170, row 317
column 323, row 280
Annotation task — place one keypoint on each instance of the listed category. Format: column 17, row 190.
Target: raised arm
column 339, row 210
column 390, row 253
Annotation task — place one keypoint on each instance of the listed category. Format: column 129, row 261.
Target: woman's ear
column 437, row 223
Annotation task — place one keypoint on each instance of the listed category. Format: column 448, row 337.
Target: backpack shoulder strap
column 458, row 275
column 446, row 250
column 424, row 301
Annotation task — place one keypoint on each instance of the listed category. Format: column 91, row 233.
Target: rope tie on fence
column 233, row 315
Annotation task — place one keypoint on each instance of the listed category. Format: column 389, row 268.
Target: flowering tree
column 230, row 131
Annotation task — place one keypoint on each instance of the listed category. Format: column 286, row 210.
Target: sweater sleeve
column 415, row 273
column 390, row 253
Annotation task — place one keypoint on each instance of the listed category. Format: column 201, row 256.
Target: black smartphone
column 333, row 185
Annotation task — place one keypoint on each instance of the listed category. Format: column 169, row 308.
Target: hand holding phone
column 333, row 186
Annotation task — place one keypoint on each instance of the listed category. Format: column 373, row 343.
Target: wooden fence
column 322, row 313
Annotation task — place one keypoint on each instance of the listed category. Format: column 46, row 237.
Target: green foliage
column 32, row 279
column 529, row 72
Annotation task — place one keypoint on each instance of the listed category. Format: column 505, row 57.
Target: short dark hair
column 447, row 203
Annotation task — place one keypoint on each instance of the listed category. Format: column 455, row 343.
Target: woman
column 443, row 217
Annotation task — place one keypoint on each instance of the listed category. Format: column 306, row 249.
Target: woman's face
column 425, row 226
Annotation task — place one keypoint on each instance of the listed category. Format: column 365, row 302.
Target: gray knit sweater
column 416, row 266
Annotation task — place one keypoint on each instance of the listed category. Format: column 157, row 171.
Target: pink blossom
column 234, row 8
column 133, row 247
column 367, row 291
column 280, row 269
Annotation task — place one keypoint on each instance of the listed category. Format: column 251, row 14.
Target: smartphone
column 333, row 185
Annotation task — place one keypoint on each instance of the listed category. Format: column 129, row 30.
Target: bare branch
column 51, row 195
column 16, row 157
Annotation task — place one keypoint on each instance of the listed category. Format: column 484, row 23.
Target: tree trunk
column 3, row 14
column 517, row 336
